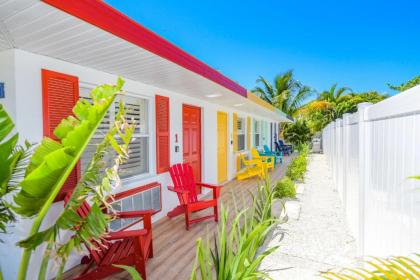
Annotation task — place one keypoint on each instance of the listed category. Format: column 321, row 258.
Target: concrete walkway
column 316, row 237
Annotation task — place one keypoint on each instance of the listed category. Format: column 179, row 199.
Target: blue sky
column 360, row 44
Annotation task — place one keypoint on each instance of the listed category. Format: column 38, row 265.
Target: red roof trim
column 105, row 17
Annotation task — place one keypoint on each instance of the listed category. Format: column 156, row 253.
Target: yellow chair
column 253, row 167
column 268, row 161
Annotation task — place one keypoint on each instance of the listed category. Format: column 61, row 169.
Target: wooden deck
column 175, row 248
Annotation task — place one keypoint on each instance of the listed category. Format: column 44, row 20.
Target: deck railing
column 371, row 154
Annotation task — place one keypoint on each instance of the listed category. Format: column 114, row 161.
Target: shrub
column 297, row 167
column 234, row 252
column 285, row 188
column 297, row 133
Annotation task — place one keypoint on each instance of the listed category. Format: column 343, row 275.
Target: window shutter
column 248, row 126
column 162, row 134
column 60, row 93
column 235, row 132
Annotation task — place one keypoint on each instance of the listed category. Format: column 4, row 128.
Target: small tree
column 297, row 133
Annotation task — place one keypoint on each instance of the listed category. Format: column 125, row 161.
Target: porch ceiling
column 37, row 27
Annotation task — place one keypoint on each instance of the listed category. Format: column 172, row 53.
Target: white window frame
column 150, row 168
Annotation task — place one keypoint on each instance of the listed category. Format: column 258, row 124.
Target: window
column 257, row 133
column 136, row 111
column 241, row 134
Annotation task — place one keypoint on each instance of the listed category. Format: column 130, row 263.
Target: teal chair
column 277, row 155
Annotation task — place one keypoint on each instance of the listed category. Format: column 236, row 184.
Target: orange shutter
column 60, row 93
column 235, row 132
column 162, row 134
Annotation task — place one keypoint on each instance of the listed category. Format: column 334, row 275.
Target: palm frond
column 392, row 268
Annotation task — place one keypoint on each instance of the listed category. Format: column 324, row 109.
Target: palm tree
column 333, row 94
column 287, row 94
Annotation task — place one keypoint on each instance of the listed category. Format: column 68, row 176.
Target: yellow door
column 222, row 146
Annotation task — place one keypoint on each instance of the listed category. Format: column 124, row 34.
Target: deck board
column 174, row 247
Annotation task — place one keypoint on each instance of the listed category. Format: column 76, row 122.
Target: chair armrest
column 210, row 186
column 216, row 189
column 125, row 234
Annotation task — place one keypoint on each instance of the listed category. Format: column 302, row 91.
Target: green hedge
column 285, row 188
column 297, row 167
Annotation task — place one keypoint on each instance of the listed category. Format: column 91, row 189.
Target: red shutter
column 60, row 93
column 162, row 134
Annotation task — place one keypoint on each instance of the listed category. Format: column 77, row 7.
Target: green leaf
column 131, row 270
column 6, row 124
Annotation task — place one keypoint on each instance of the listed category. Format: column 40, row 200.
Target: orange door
column 191, row 126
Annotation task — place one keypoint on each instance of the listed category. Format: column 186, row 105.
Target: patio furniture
column 285, row 149
column 277, row 155
column 186, row 189
column 253, row 168
column 268, row 161
column 124, row 247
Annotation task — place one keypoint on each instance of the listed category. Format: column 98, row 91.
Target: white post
column 346, row 158
column 364, row 168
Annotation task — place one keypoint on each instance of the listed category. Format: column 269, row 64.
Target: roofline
column 107, row 18
column 256, row 99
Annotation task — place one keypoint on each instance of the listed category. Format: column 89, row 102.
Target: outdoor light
column 238, row 105
column 213, row 95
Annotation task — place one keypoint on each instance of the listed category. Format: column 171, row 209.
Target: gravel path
column 316, row 238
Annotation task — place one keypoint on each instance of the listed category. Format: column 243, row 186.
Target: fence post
column 339, row 157
column 346, row 157
column 364, row 172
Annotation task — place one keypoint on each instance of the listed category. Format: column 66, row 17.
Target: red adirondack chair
column 125, row 247
column 186, row 189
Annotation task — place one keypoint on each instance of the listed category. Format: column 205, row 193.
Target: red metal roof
column 105, row 17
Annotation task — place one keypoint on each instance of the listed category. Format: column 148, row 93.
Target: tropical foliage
column 287, row 94
column 407, row 85
column 51, row 164
column 333, row 104
column 297, row 133
column 14, row 161
column 234, row 253
column 297, row 168
column 392, row 268
column 285, row 188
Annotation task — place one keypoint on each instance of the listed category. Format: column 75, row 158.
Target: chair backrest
column 278, row 147
column 183, row 179
column 281, row 143
column 255, row 154
column 267, row 149
column 100, row 249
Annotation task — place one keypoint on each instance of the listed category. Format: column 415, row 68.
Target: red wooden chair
column 186, row 189
column 124, row 247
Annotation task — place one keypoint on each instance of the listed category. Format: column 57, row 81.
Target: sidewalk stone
column 317, row 238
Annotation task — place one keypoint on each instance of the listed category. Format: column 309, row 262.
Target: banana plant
column 51, row 164
column 14, row 160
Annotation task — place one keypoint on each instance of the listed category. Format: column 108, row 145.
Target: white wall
column 7, row 76
column 371, row 154
column 22, row 73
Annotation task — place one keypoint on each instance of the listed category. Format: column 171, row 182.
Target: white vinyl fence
column 371, row 154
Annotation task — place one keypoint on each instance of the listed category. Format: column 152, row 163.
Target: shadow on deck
column 174, row 247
